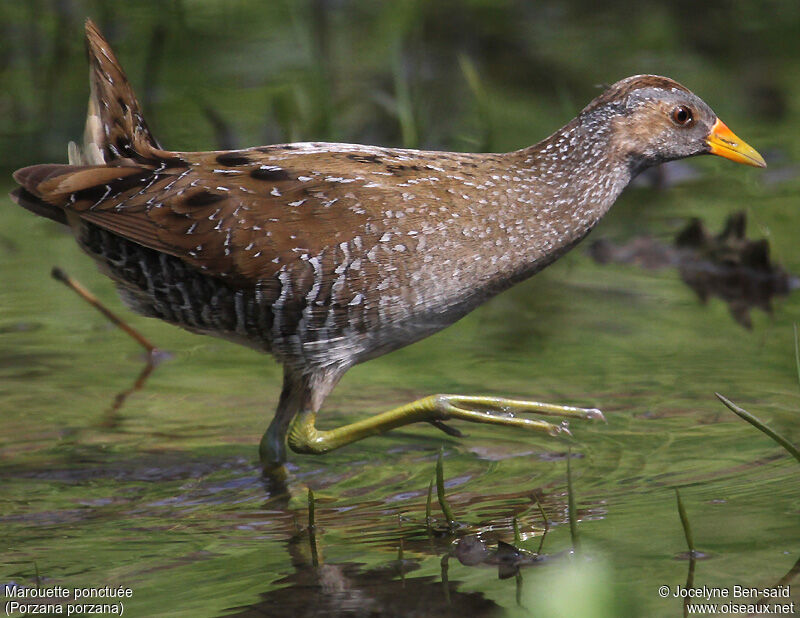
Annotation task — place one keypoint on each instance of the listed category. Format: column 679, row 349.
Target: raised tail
column 118, row 148
column 115, row 126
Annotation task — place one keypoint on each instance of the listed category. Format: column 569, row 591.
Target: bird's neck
column 558, row 190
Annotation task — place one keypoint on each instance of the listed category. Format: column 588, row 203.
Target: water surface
column 163, row 494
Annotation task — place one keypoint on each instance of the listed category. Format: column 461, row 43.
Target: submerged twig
column 448, row 512
column 761, row 426
column 60, row 275
column 573, row 523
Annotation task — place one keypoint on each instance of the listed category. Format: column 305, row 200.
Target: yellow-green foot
column 304, row 437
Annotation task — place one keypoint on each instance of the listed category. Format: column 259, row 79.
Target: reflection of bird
column 327, row 255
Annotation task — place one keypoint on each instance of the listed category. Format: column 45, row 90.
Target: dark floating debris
column 729, row 265
column 471, row 550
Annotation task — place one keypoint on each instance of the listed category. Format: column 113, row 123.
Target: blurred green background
column 162, row 493
column 479, row 75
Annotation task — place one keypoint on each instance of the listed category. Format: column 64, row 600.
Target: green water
column 163, row 494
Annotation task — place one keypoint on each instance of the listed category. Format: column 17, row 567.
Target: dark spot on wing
column 360, row 158
column 232, row 159
column 123, row 146
column 276, row 148
column 92, row 194
column 269, row 172
column 203, row 198
column 170, row 162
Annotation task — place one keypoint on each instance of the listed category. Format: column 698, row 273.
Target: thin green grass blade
column 472, row 77
column 761, row 426
column 405, row 107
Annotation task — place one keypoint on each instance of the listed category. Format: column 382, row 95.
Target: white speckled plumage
column 326, row 255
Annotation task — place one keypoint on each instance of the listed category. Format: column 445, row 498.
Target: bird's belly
column 341, row 333
column 158, row 285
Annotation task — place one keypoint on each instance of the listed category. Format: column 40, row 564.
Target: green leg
column 304, row 437
column 272, row 449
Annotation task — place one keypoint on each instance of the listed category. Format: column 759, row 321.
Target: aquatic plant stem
column 687, row 533
column 448, row 512
column 687, row 529
column 541, row 510
column 761, row 426
column 428, row 517
column 573, row 524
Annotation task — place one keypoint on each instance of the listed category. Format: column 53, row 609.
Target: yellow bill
column 724, row 143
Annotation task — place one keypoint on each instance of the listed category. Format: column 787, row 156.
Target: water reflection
column 728, row 265
column 350, row 590
column 318, row 588
column 112, row 417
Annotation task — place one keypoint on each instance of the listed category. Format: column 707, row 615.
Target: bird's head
column 654, row 119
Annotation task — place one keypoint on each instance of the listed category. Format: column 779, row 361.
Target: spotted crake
column 327, row 255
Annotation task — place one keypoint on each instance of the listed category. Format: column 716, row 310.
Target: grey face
column 653, row 119
column 662, row 125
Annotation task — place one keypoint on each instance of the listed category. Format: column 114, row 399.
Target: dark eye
column 681, row 115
